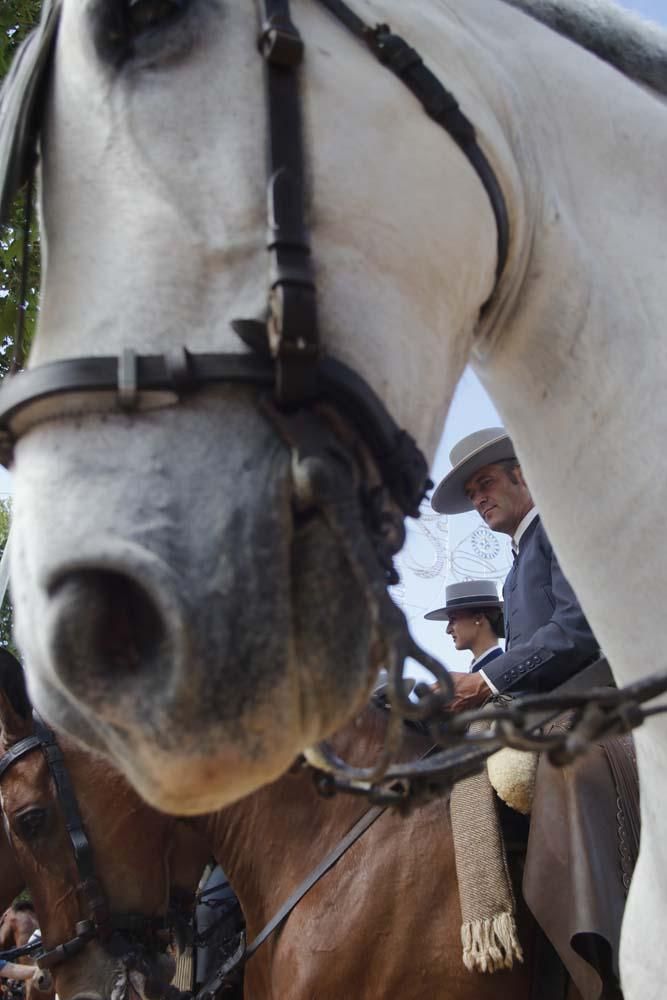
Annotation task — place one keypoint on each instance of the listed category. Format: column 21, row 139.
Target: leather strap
column 362, row 824
column 403, row 466
column 439, row 104
column 89, row 886
column 20, row 749
column 292, row 326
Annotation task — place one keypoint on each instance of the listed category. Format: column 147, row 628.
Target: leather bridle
column 130, row 937
column 287, row 360
column 286, row 354
column 286, row 357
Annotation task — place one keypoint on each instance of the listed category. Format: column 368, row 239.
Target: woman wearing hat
column 474, row 616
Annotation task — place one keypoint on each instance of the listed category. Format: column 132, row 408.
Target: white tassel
column 491, row 944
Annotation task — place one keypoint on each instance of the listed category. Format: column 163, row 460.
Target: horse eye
column 144, row 14
column 122, row 29
column 30, row 824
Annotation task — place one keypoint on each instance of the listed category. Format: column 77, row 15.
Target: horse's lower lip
column 189, row 784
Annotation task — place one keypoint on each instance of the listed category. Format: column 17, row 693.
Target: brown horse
column 133, row 845
column 17, row 924
column 384, row 922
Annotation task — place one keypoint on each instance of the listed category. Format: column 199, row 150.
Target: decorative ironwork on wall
column 441, row 550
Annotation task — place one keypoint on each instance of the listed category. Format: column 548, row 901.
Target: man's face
column 500, row 496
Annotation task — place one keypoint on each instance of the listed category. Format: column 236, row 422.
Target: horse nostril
column 43, row 980
column 105, row 624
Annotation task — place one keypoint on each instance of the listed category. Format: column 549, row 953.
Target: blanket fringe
column 491, row 944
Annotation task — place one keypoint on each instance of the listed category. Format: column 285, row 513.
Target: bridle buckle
column 280, row 43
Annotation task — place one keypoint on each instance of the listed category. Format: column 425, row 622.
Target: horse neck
column 573, row 348
column 268, row 842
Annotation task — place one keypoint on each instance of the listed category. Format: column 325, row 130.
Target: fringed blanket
column 488, row 931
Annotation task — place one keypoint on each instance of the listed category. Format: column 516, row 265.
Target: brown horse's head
column 126, row 837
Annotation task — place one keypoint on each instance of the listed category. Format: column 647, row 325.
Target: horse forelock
column 622, row 38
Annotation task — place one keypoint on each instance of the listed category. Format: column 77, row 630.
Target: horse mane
column 622, row 38
column 12, row 682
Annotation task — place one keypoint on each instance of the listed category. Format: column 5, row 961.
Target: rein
column 114, row 931
column 243, row 954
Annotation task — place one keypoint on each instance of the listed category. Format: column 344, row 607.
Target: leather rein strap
column 287, row 355
column 360, row 827
column 365, row 821
column 242, row 954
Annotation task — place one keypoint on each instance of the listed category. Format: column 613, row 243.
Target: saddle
column 582, row 848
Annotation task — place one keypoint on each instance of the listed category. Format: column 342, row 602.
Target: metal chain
column 518, row 723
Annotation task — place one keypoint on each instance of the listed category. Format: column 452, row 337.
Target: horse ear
column 15, row 707
column 13, row 725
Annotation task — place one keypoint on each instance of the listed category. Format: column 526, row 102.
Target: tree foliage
column 17, row 17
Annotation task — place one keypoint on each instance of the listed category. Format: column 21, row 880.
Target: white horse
column 170, row 606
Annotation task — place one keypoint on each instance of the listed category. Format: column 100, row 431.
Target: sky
column 655, row 10
column 441, row 550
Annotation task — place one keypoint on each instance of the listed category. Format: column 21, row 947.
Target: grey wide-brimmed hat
column 470, row 595
column 478, row 449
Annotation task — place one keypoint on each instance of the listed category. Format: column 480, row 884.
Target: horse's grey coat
column 636, row 47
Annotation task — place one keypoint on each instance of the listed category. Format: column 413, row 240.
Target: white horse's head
column 173, row 603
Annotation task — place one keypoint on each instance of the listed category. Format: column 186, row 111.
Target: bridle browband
column 123, row 935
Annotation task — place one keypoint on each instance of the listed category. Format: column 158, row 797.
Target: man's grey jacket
column 547, row 636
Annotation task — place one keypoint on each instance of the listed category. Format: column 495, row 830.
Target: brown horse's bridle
column 133, row 938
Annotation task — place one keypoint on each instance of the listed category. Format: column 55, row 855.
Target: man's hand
column 470, row 691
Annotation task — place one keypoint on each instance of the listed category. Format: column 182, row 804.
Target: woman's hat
column 477, row 595
column 478, row 449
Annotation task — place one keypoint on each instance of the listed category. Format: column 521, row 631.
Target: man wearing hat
column 474, row 615
column 547, row 636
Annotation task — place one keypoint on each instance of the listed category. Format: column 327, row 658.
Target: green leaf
column 17, row 17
